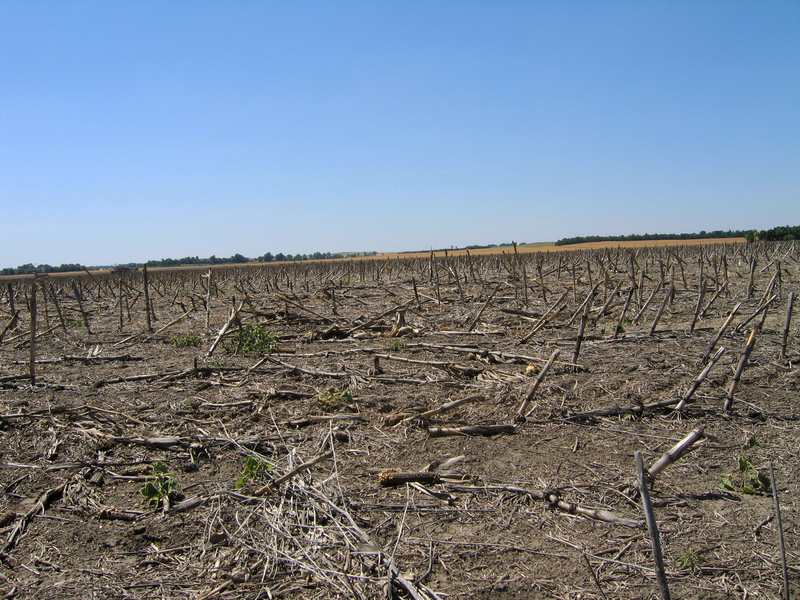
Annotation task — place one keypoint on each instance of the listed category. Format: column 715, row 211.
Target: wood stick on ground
column 554, row 500
column 713, row 298
column 307, row 371
column 380, row 316
column 615, row 411
column 58, row 309
column 603, row 310
column 779, row 525
column 587, row 301
column 471, row 430
column 77, row 293
column 786, row 324
column 41, row 505
column 594, row 575
column 10, row 290
column 27, row 335
column 176, row 320
column 579, row 338
column 721, row 332
column 313, row 419
column 454, row 271
column 12, row 323
column 618, row 328
column 233, row 319
column 670, row 293
column 32, row 367
column 760, row 309
column 444, row 407
column 236, row 577
column 598, row 514
column 652, row 527
column 284, row 298
column 646, row 304
column 546, row 317
column 696, row 383
column 275, row 484
column 674, row 453
column 121, row 300
column 483, row 308
column 394, row 572
column 147, row 299
column 748, row 348
column 699, row 303
column 394, row 478
column 208, row 298
column 520, row 418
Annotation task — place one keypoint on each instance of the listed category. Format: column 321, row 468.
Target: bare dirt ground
column 359, row 358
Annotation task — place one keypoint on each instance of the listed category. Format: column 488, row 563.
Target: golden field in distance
column 527, row 248
column 553, row 248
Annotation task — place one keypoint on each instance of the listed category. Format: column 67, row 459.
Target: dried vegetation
column 413, row 428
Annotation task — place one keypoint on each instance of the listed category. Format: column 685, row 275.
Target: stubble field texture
column 417, row 427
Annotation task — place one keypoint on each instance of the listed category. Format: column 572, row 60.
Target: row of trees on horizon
column 236, row 259
column 751, row 235
column 782, row 233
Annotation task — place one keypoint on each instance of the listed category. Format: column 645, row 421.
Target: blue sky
column 132, row 131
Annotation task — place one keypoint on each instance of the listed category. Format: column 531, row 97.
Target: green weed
column 252, row 339
column 396, row 345
column 184, row 341
column 752, row 481
column 690, row 559
column 332, row 400
column 160, row 484
column 254, row 469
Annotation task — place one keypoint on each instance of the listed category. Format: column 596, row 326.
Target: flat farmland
column 410, row 427
column 549, row 247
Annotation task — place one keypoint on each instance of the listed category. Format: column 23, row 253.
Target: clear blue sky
column 132, row 131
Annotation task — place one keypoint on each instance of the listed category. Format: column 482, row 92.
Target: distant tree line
column 656, row 236
column 776, row 234
column 30, row 269
column 236, row 259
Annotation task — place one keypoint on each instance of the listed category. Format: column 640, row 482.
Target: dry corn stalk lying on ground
column 416, row 427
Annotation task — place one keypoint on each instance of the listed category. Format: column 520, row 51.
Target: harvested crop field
column 414, row 428
column 550, row 247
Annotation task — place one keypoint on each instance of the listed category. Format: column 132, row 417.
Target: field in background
column 551, row 247
column 462, row 427
column 522, row 248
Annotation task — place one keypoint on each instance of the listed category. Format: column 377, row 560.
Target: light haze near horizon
column 145, row 130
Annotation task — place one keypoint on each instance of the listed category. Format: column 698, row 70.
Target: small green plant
column 184, row 341
column 690, row 559
column 217, row 363
column 333, row 400
column 396, row 345
column 346, row 281
column 620, row 329
column 752, row 481
column 75, row 323
column 254, row 469
column 160, row 484
column 253, row 338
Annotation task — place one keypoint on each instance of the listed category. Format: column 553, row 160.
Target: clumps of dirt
column 137, row 466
